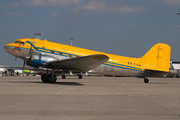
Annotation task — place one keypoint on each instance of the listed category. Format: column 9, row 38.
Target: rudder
column 158, row 56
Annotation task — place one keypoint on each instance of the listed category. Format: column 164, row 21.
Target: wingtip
column 101, row 57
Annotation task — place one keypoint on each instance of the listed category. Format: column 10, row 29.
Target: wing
column 82, row 64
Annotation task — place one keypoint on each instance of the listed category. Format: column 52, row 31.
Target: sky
column 122, row 27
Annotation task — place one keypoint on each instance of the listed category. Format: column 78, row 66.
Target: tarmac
column 90, row 98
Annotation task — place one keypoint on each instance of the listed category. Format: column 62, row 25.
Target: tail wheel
column 146, row 80
column 80, row 76
column 63, row 77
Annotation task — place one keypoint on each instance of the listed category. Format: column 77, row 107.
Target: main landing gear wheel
column 44, row 78
column 146, row 80
column 80, row 76
column 63, row 76
column 51, row 79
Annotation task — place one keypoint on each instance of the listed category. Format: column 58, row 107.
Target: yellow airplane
column 58, row 58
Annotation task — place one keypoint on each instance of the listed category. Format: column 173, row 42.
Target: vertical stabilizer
column 158, row 57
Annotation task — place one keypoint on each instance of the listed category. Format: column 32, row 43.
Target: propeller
column 15, row 60
column 24, row 64
column 39, row 60
column 30, row 52
column 29, row 57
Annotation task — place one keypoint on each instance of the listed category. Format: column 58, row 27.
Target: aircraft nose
column 6, row 48
column 16, row 50
column 9, row 48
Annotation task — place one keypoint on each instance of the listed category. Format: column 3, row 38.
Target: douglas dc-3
column 58, row 58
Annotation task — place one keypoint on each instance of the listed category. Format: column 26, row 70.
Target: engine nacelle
column 39, row 59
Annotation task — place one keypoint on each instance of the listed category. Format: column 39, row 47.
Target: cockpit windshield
column 22, row 43
column 17, row 42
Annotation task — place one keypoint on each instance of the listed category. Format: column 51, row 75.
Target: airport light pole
column 71, row 39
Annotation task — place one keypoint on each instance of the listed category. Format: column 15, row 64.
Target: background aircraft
column 58, row 58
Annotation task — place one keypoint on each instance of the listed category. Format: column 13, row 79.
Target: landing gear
column 48, row 78
column 44, row 78
column 146, row 80
column 79, row 76
column 63, row 76
column 51, row 78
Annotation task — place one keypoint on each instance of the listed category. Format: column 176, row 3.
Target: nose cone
column 16, row 50
column 8, row 48
column 12, row 49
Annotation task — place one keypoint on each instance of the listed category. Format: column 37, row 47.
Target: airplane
column 57, row 58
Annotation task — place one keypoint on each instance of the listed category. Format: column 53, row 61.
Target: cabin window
column 60, row 53
column 69, row 55
column 52, row 51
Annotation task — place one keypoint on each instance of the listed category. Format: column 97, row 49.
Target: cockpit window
column 17, row 42
column 22, row 43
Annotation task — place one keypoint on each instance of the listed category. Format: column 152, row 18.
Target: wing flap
column 83, row 64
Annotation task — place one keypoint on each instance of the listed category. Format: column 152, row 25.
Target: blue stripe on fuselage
column 106, row 63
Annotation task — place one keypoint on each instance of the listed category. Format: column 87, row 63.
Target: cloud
column 94, row 5
column 106, row 7
column 128, row 9
column 15, row 13
column 2, row 29
column 54, row 14
column 33, row 24
column 174, row 2
column 97, row 6
column 174, row 29
column 43, row 3
column 133, row 26
column 123, row 42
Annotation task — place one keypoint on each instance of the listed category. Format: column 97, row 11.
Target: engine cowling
column 39, row 60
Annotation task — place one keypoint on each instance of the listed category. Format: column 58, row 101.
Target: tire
column 44, row 78
column 51, row 79
column 63, row 77
column 146, row 80
column 80, row 76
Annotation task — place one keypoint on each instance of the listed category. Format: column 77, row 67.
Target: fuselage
column 116, row 65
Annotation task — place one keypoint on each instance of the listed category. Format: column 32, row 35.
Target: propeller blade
column 30, row 50
column 24, row 64
column 15, row 60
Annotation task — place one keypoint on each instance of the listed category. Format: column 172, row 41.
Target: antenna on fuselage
column 71, row 39
column 38, row 35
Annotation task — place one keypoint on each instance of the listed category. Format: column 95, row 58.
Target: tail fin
column 158, row 57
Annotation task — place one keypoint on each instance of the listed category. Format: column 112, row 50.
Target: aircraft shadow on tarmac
column 57, row 83
column 157, row 83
